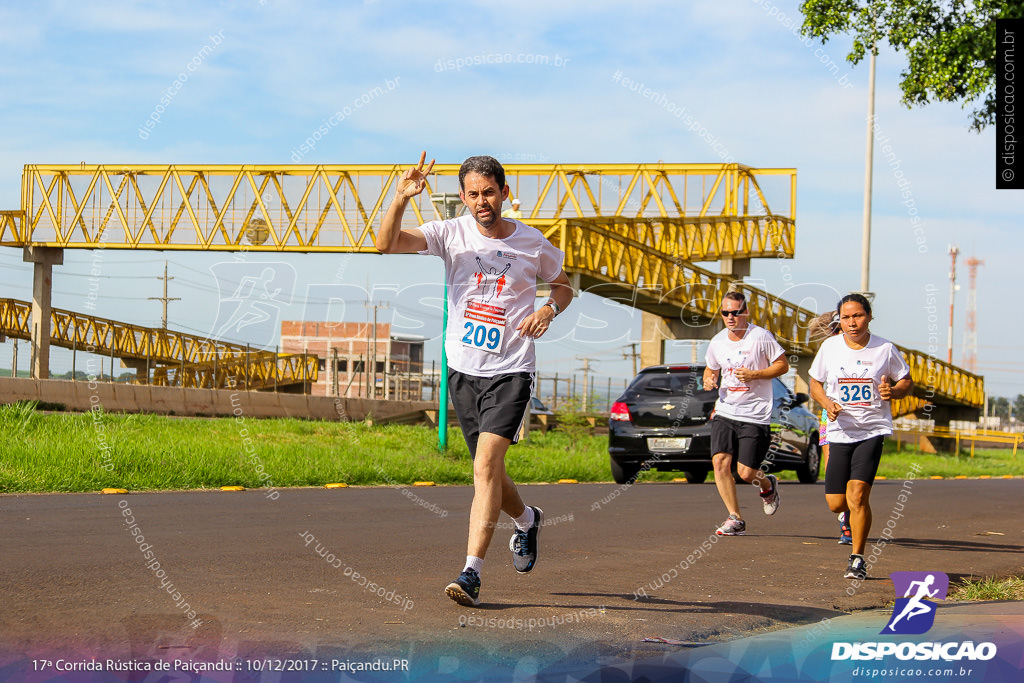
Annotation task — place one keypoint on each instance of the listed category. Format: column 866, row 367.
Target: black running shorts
column 856, row 461
column 747, row 442
column 490, row 404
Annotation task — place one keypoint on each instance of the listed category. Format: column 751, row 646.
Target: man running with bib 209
column 492, row 265
column 742, row 360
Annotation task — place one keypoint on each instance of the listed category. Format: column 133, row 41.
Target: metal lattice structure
column 631, row 232
column 175, row 358
column 321, row 208
column 645, row 274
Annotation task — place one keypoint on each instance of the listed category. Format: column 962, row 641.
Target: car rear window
column 675, row 383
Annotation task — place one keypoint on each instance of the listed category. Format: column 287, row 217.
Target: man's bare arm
column 777, row 369
column 391, row 239
column 538, row 322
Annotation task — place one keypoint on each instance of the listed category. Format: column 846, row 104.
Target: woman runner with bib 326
column 854, row 377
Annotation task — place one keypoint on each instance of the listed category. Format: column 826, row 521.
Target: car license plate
column 680, row 443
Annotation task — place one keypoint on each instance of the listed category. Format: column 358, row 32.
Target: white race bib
column 857, row 391
column 483, row 326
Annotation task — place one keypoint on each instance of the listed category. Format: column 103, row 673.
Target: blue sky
column 78, row 80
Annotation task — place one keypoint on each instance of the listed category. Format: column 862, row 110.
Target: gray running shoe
column 771, row 499
column 734, row 526
column 523, row 544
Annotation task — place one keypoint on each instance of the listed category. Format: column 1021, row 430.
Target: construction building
column 362, row 360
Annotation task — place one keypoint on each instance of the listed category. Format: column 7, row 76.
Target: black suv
column 663, row 419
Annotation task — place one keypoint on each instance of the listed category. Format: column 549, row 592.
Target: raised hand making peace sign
column 414, row 180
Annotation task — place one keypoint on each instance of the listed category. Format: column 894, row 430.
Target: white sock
column 474, row 563
column 525, row 520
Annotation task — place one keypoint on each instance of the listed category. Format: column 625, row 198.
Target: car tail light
column 620, row 412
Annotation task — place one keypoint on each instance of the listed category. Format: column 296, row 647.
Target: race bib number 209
column 484, row 327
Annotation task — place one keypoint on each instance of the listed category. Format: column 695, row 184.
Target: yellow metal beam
column 199, row 361
column 261, row 372
column 12, row 227
column 630, row 231
column 625, row 262
column 308, row 208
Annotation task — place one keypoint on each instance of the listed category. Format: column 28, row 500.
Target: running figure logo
column 251, row 296
column 729, row 371
column 914, row 613
column 489, row 280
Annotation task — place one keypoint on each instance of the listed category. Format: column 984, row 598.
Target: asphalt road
column 617, row 564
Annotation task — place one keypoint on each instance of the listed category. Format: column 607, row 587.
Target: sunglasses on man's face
column 729, row 314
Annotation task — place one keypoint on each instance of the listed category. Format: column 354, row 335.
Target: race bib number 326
column 484, row 327
column 856, row 391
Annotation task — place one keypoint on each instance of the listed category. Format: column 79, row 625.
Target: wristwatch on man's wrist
column 554, row 306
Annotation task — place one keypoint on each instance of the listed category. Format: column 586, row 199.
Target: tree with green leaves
column 998, row 406
column 950, row 44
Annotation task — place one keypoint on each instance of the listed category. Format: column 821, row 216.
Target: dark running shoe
column 856, row 570
column 845, row 538
column 523, row 544
column 771, row 499
column 465, row 590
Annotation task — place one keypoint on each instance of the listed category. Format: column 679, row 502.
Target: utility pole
column 165, row 298
column 635, row 354
column 371, row 352
column 865, row 258
column 586, row 382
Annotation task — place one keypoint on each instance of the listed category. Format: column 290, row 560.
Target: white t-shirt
column 492, row 287
column 850, row 377
column 757, row 350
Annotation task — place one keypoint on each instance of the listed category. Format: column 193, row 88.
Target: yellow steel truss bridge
column 631, row 232
column 172, row 358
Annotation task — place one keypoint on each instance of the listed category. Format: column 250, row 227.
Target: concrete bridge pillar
column 738, row 268
column 655, row 330
column 44, row 258
column 942, row 415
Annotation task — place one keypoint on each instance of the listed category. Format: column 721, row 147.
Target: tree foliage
column 950, row 44
column 999, row 406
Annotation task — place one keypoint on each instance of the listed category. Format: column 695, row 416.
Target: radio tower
column 953, row 252
column 971, row 337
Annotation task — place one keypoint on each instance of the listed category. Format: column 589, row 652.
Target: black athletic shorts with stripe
column 490, row 404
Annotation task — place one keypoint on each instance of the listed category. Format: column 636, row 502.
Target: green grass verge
column 988, row 589
column 87, row 452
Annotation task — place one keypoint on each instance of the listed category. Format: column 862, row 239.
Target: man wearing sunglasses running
column 742, row 360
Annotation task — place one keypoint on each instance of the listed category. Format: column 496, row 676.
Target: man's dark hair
column 857, row 299
column 485, row 166
column 737, row 296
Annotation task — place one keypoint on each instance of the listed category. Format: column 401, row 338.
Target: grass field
column 46, row 452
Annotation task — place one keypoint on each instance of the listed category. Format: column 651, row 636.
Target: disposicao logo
column 914, row 614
